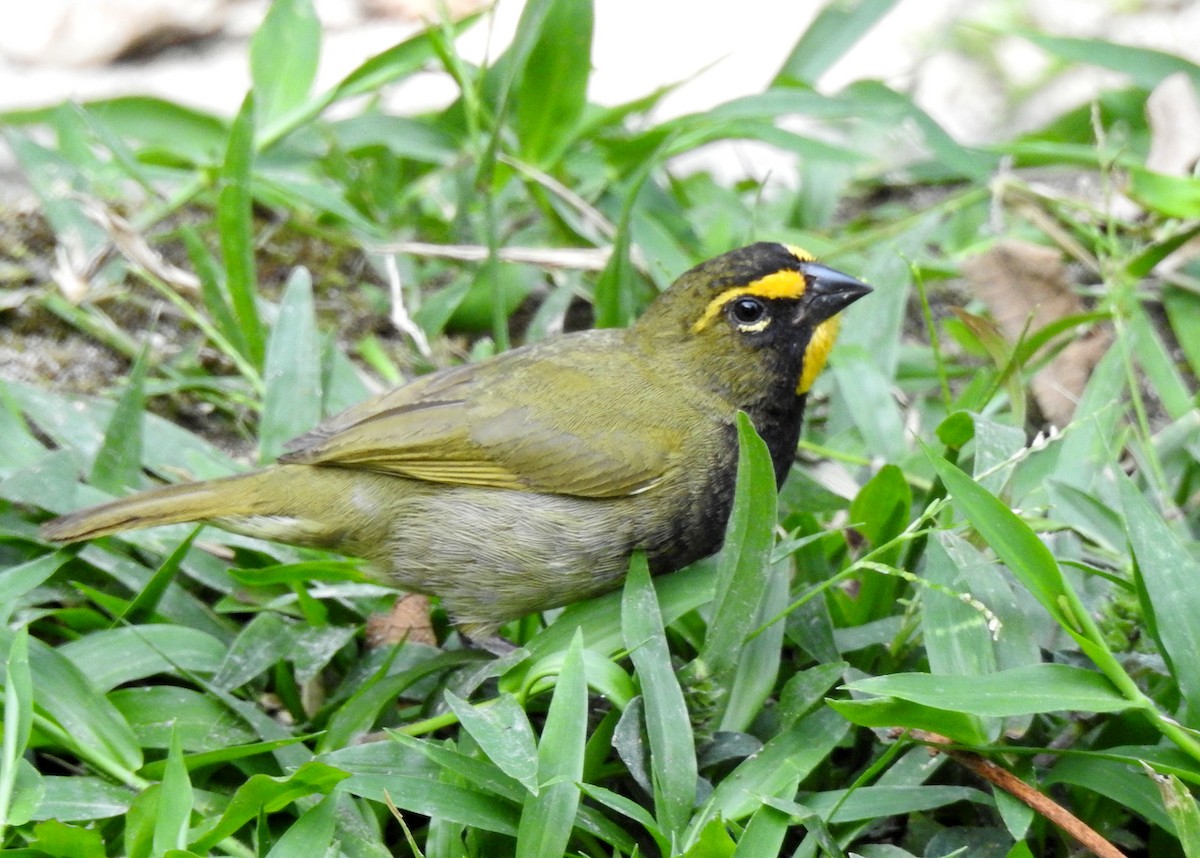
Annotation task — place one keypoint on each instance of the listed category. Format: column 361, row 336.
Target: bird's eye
column 747, row 311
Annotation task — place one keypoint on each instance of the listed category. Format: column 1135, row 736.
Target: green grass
column 933, row 570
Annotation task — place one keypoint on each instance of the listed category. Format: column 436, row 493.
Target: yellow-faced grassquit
column 526, row 481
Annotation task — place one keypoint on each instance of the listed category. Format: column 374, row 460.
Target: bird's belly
column 493, row 554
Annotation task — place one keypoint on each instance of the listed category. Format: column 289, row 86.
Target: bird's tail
column 222, row 499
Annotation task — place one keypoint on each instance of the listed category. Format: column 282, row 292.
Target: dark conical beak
column 829, row 292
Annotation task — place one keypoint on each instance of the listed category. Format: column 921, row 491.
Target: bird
column 527, row 481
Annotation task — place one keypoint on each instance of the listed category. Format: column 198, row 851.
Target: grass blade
column 312, row 834
column 118, row 464
column 668, row 724
column 743, row 569
column 263, row 793
column 1166, row 574
column 292, row 372
column 235, row 223
column 548, row 818
column 546, row 117
column 18, row 726
column 90, row 724
column 1181, row 807
column 175, row 801
column 283, row 58
column 502, row 731
column 1025, row 690
column 832, row 33
column 1146, row 67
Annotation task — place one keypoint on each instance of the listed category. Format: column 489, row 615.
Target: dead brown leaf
column 407, row 621
column 1025, row 287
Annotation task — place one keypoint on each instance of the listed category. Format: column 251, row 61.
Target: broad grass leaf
column 396, row 62
column 284, row 53
column 1123, row 781
column 113, row 657
column 359, row 713
column 266, row 639
column 1183, row 308
column 995, row 446
column 604, row 676
column 878, row 802
column 786, row 758
column 118, row 463
column 501, row 729
column 311, row 834
column 1024, row 690
column 265, row 794
column 613, row 296
column 957, row 638
column 865, row 392
column 235, row 228
column 412, row 781
column 805, row 689
column 743, row 565
column 175, row 801
column 836, row 29
column 80, row 798
column 20, row 579
column 20, row 449
column 1146, row 67
column 18, row 726
column 144, row 606
column 1098, row 416
column 223, row 325
column 91, row 725
column 551, row 93
column 467, row 768
column 199, row 721
column 892, row 712
column 291, row 749
column 1166, row 575
column 764, row 833
column 887, row 106
column 668, row 723
column 1181, row 806
column 26, row 797
column 163, row 126
column 880, row 512
column 713, row 841
column 292, row 372
column 548, row 817
column 405, row 137
column 1028, row 558
column 61, row 188
column 630, row 809
column 1158, row 249
column 56, row 838
column 757, row 671
column 1156, row 361
column 677, row 593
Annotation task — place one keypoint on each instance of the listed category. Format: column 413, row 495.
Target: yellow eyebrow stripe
column 780, row 284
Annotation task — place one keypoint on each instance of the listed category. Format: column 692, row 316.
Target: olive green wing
column 562, row 428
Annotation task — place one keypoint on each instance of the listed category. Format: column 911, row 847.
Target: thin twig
column 1087, row 836
column 576, row 258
